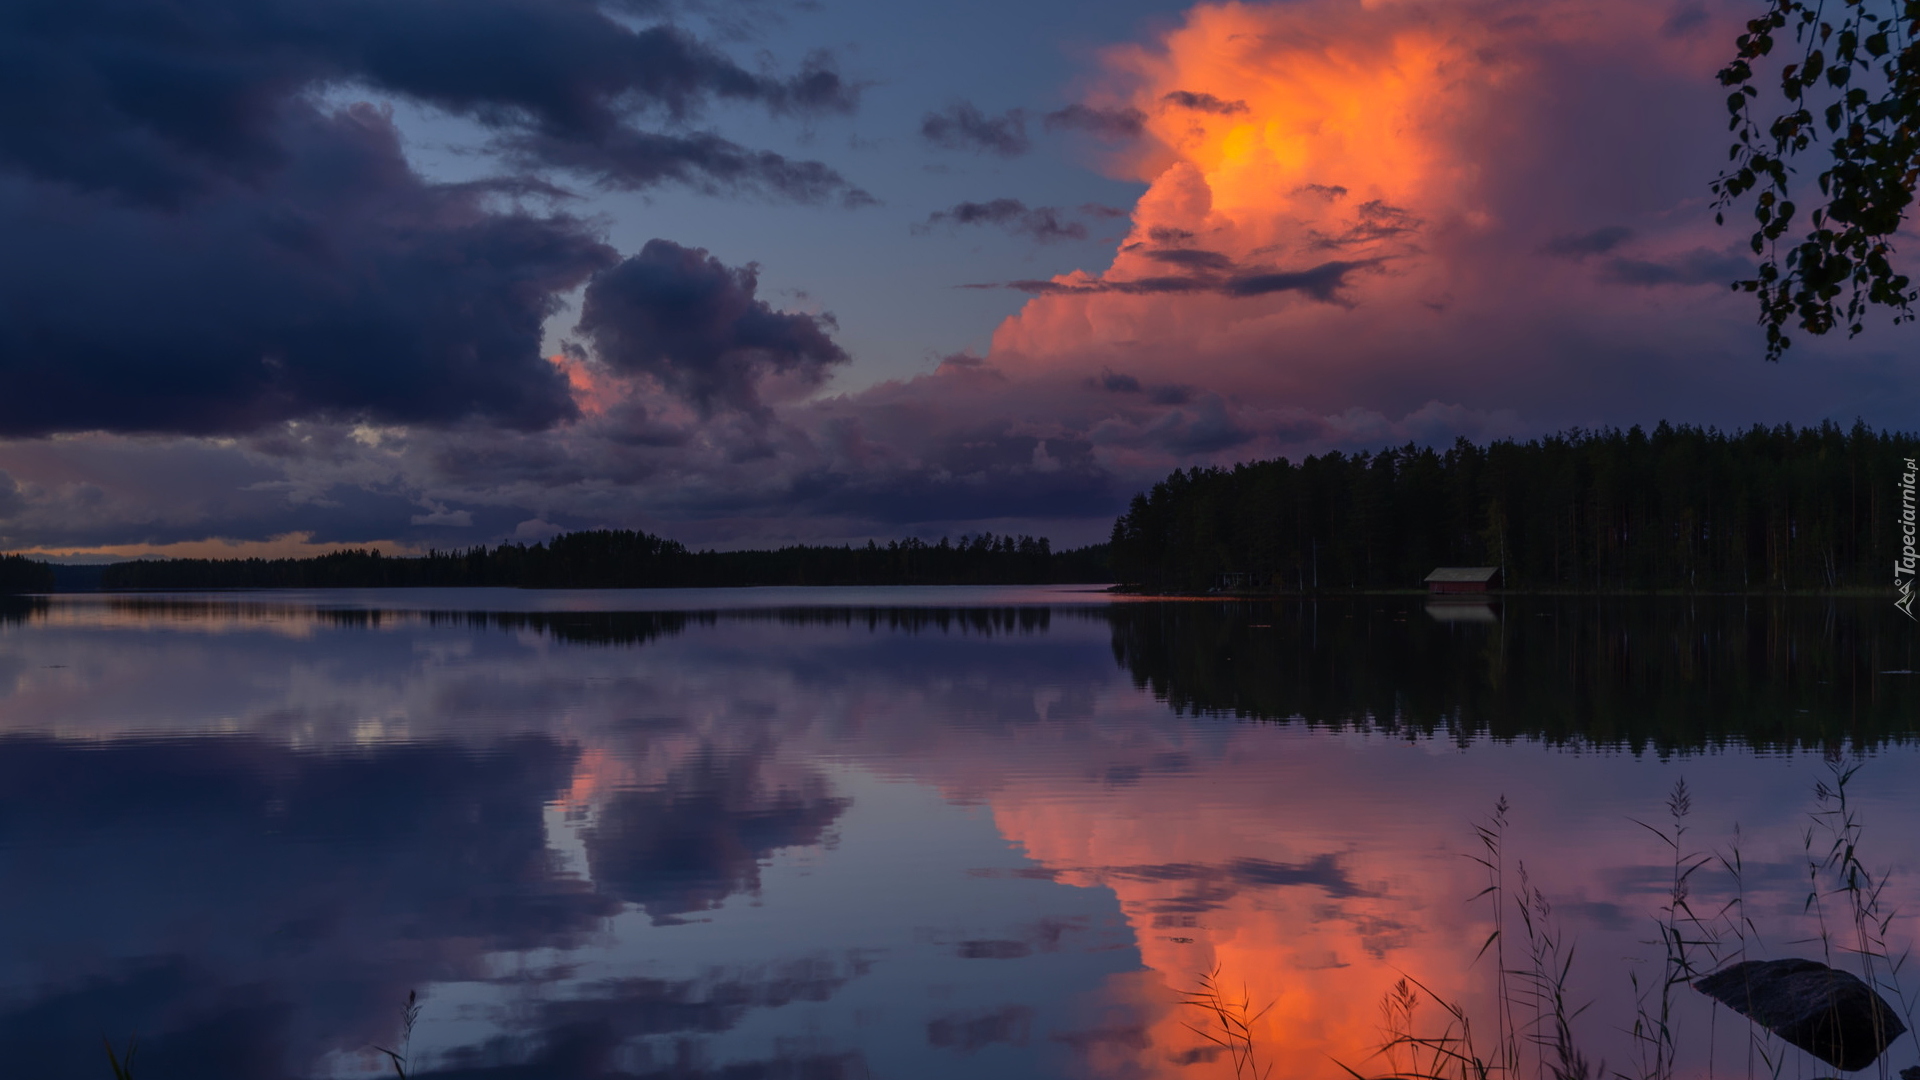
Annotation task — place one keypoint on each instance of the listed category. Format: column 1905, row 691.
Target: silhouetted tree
column 1850, row 89
column 19, row 574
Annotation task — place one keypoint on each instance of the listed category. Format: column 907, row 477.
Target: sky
column 285, row 277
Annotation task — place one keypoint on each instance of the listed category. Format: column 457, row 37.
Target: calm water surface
column 883, row 833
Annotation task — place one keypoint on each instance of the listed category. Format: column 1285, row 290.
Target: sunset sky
column 285, row 276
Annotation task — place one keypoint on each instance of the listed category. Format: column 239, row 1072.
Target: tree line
column 624, row 559
column 1676, row 508
column 19, row 574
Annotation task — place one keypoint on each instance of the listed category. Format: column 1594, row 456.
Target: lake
column 917, row 833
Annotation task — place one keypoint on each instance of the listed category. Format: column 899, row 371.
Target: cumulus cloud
column 347, row 286
column 1424, row 201
column 1041, row 223
column 683, row 317
column 962, row 126
column 201, row 240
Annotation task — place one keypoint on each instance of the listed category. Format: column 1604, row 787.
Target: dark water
column 889, row 833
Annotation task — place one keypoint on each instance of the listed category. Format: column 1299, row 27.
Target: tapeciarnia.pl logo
column 1903, row 567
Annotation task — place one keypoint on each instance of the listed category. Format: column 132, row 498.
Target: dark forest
column 1677, row 508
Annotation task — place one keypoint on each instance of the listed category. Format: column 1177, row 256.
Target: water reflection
column 865, row 841
column 1666, row 674
column 700, row 834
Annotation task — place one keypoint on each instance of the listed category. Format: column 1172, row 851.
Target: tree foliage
column 1849, row 84
column 1679, row 508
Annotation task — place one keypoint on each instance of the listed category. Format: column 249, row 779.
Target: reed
column 122, row 1066
column 1533, row 1013
column 1230, row 1024
column 1837, row 822
column 409, row 1015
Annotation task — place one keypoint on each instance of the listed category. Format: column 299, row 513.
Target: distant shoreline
column 1128, row 591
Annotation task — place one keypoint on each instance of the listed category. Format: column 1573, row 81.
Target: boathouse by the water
column 1463, row 579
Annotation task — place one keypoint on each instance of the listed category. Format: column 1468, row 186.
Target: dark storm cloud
column 1041, row 223
column 962, row 126
column 1577, row 246
column 1206, row 103
column 694, row 323
column 158, row 104
column 1191, row 257
column 1323, row 282
column 1112, row 124
column 196, row 245
column 347, row 287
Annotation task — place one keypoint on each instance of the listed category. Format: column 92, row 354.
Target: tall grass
column 1838, row 824
column 122, row 1066
column 409, row 1015
column 1229, row 1024
column 1533, row 1015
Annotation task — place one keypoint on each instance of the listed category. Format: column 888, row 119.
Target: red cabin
column 1464, row 579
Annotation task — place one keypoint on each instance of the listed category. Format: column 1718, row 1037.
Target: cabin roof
column 1462, row 573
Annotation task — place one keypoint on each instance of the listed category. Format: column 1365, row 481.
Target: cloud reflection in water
column 845, row 843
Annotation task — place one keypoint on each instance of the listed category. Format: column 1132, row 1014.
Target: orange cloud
column 1346, row 192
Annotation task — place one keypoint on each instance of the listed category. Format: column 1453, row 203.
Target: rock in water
column 1824, row 1011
